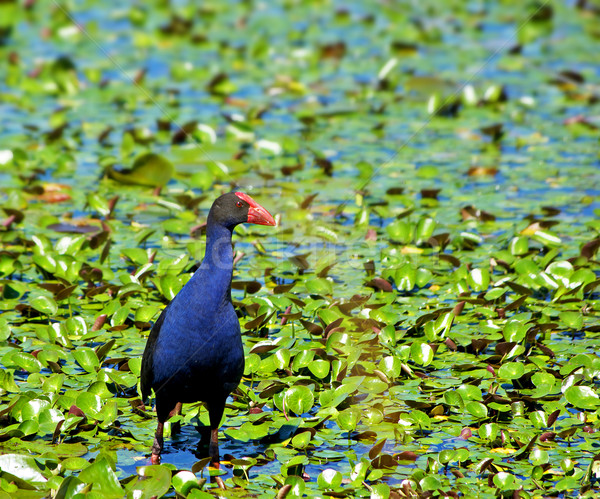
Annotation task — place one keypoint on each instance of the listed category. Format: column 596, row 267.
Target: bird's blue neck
column 214, row 274
column 219, row 252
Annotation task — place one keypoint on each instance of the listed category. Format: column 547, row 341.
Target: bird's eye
column 239, row 204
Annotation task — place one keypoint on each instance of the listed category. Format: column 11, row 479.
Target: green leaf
column 391, row 366
column 348, row 419
column 511, row 370
column 319, row 367
column 299, row 399
column 400, row 231
column 476, row 409
column 89, row 403
column 405, row 277
column 583, row 397
column 424, row 231
column 421, row 353
column 45, row 305
column 479, row 279
column 504, row 480
column 518, row 245
column 515, row 330
column 5, row 330
column 102, row 478
column 21, row 466
column 87, row 359
column 320, row 286
column 538, row 457
column 184, row 482
column 301, row 440
column 27, row 362
column 148, row 169
column 573, row 320
column 329, row 479
column 298, row 486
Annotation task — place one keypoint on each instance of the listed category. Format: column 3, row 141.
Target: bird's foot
column 155, row 458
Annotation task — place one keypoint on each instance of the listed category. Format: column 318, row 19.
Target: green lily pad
column 148, row 169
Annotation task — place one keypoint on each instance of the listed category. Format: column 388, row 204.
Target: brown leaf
column 458, row 308
column 589, row 249
column 430, row 193
column 283, row 288
column 325, row 270
column 300, row 261
column 495, row 131
column 517, row 303
column 284, row 491
column 518, row 288
column 365, row 435
column 545, row 350
column 480, row 171
column 451, row 345
column 452, row 260
column 569, row 432
column 17, row 216
column 312, row 328
column 215, row 81
column 406, row 455
column 333, row 325
column 262, row 348
column 259, row 321
column 76, row 411
column 250, row 287
column 380, row 283
column 354, row 302
column 479, row 344
column 183, row 132
column 290, row 317
column 384, row 461
column 504, row 347
column 335, row 50
column 553, row 417
column 56, row 432
column 308, row 200
column 470, row 213
column 289, row 170
column 325, row 165
column 64, row 293
column 376, row 449
column 547, row 436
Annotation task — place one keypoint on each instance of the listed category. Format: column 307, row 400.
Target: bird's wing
column 147, row 370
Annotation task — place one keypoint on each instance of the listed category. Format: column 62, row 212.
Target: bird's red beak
column 256, row 213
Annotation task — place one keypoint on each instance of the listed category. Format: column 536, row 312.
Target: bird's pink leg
column 176, row 427
column 157, row 446
column 213, row 448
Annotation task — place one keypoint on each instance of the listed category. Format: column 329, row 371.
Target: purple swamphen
column 194, row 351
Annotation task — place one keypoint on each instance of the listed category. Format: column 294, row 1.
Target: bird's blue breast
column 199, row 341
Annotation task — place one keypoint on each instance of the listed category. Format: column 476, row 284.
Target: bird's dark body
column 194, row 351
column 200, row 359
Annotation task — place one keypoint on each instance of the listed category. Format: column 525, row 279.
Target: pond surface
column 422, row 322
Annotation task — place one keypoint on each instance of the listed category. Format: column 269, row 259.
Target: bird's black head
column 236, row 208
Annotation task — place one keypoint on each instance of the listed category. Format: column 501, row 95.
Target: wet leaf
column 148, row 169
